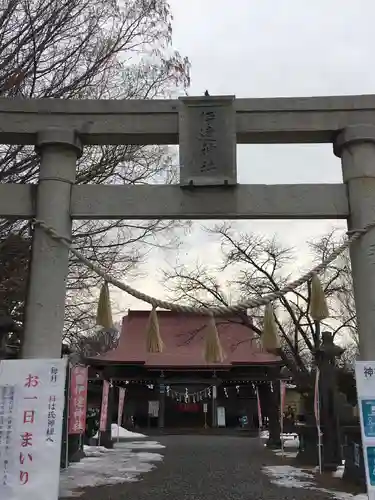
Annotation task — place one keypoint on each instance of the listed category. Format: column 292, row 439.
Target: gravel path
column 206, row 468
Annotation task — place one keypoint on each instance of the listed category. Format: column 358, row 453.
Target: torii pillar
column 355, row 145
column 44, row 311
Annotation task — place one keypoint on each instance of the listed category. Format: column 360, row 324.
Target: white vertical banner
column 221, row 416
column 31, row 413
column 153, row 408
column 317, row 416
column 282, row 407
column 365, row 381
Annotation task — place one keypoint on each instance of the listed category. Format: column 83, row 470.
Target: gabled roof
column 183, row 335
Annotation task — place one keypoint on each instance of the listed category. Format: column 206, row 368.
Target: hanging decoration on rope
column 270, row 338
column 213, row 352
column 154, row 341
column 104, row 311
column 190, row 397
column 318, row 303
column 206, row 393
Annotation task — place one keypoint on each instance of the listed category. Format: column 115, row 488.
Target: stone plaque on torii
column 207, row 129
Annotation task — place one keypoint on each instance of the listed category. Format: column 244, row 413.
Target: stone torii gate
column 207, row 130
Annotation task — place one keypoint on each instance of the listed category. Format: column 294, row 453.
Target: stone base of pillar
column 273, row 443
column 354, row 471
column 77, row 456
column 106, row 440
column 308, row 445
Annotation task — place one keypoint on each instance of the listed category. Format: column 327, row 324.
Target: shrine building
column 177, row 388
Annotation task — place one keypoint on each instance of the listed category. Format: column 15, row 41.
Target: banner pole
column 259, row 412
column 67, row 417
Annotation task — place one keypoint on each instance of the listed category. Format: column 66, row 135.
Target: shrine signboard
column 365, row 381
column 207, row 131
column 31, row 413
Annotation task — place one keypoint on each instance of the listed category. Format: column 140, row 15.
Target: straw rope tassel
column 270, row 338
column 154, row 341
column 318, row 303
column 104, row 311
column 213, row 352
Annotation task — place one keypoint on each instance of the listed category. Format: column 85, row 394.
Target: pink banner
column 104, row 407
column 121, row 399
column 78, row 399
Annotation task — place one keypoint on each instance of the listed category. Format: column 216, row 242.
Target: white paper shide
column 31, row 412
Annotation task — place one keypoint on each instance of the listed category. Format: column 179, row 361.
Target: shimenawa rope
column 353, row 235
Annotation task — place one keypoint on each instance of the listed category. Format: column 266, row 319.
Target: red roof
column 183, row 336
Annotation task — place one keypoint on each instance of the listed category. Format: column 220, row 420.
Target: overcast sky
column 271, row 48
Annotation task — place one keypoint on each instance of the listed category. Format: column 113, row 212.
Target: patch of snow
column 339, row 472
column 291, row 443
column 139, row 445
column 121, row 432
column 286, row 453
column 293, row 477
column 286, row 437
column 341, row 495
column 95, row 451
column 105, row 467
column 118, row 431
column 288, row 476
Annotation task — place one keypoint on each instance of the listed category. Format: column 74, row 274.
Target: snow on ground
column 339, row 472
column 290, row 440
column 118, row 431
column 293, row 477
column 103, row 467
column 139, row 445
column 290, row 444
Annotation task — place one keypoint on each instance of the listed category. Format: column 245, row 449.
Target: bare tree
column 339, row 274
column 96, row 342
column 93, row 49
column 14, row 259
column 257, row 266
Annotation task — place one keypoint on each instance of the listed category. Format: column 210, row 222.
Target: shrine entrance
column 177, row 388
column 207, row 130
